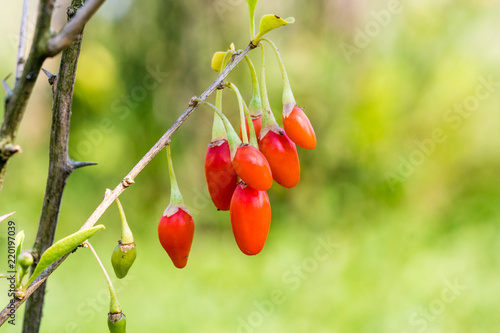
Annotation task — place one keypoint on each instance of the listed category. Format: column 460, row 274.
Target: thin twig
column 73, row 27
column 21, row 51
column 129, row 178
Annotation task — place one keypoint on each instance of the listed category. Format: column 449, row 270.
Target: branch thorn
column 80, row 164
column 52, row 77
column 6, row 87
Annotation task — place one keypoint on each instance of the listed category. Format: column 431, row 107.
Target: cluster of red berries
column 240, row 169
column 247, row 200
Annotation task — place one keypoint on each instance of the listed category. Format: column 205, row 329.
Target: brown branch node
column 127, row 181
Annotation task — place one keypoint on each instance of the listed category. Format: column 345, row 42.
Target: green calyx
column 255, row 106
column 244, row 114
column 218, row 129
column 232, row 137
column 122, row 258
column 175, row 194
column 268, row 23
column 117, row 322
column 127, row 236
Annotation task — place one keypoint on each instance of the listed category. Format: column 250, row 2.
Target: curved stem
column 287, row 91
column 253, row 133
column 244, row 133
column 244, row 113
column 175, row 193
column 255, row 107
column 114, row 305
column 268, row 120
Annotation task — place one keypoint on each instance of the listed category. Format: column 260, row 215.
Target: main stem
column 60, row 167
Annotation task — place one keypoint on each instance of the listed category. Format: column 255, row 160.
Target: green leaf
column 270, row 22
column 19, row 245
column 251, row 12
column 61, row 247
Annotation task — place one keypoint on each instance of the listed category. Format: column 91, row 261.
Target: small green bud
column 117, row 323
column 122, row 258
column 25, row 259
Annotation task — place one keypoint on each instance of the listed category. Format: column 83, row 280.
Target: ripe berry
column 250, row 218
column 252, row 167
column 176, row 231
column 257, row 124
column 281, row 154
column 299, row 129
column 220, row 174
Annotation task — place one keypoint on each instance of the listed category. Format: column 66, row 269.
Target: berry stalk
column 244, row 113
column 114, row 305
column 268, row 120
column 255, row 106
column 176, row 199
column 288, row 99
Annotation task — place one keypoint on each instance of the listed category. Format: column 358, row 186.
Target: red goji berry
column 299, row 129
column 281, row 154
column 250, row 218
column 220, row 175
column 252, row 167
column 176, row 231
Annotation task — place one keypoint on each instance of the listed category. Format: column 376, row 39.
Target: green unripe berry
column 117, row 323
column 25, row 259
column 122, row 258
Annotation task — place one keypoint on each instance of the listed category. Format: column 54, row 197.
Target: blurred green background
column 394, row 226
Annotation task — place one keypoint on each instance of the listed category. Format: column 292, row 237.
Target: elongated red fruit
column 281, row 154
column 250, row 218
column 299, row 129
column 257, row 125
column 220, row 174
column 176, row 231
column 252, row 167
